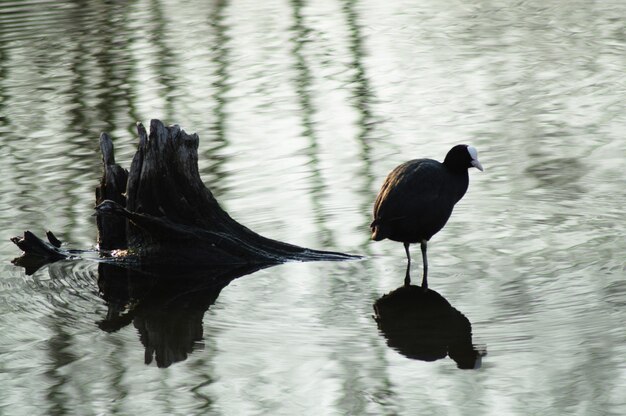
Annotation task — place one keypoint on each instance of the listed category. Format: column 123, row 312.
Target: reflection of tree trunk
column 166, row 308
column 172, row 217
column 60, row 355
column 219, row 52
column 303, row 90
column 3, row 76
column 166, row 63
column 361, row 98
column 216, row 22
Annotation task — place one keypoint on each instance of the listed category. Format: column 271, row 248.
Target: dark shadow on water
column 166, row 307
column 421, row 324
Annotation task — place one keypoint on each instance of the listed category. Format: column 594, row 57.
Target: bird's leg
column 407, row 277
column 425, row 261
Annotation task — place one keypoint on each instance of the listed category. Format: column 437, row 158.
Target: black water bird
column 417, row 199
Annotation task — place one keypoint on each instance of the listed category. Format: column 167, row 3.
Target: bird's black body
column 417, row 199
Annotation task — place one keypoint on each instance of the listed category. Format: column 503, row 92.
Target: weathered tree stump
column 160, row 212
column 111, row 229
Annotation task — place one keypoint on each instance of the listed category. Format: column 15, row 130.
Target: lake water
column 302, row 108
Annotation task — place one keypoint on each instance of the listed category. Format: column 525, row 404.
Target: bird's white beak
column 477, row 165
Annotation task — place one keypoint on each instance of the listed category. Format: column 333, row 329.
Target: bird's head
column 461, row 157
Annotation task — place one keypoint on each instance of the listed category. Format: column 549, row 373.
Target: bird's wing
column 408, row 190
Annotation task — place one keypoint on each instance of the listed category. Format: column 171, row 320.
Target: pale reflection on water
column 302, row 109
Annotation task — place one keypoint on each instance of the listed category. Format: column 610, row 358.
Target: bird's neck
column 455, row 168
column 455, row 163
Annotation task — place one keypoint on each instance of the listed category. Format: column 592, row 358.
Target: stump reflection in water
column 166, row 307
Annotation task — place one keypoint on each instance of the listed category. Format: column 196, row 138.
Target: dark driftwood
column 172, row 217
column 37, row 252
column 32, row 244
column 111, row 229
column 160, row 212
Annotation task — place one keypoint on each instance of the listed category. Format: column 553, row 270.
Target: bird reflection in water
column 166, row 307
column 421, row 324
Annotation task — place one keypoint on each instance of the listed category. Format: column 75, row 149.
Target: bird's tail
column 377, row 230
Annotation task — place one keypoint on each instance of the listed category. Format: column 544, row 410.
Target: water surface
column 302, row 108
